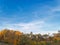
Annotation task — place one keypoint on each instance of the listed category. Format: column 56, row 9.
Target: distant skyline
column 37, row 16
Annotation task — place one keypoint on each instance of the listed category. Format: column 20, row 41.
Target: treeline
column 19, row 38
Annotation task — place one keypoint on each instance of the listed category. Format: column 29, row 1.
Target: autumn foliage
column 10, row 36
column 18, row 38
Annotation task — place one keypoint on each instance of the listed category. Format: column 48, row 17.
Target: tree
column 24, row 40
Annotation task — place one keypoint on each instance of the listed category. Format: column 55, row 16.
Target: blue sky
column 38, row 16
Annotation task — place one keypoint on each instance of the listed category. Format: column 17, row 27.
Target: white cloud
column 26, row 27
column 31, row 25
column 37, row 26
column 56, row 9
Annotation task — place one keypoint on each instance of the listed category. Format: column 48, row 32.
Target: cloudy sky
column 38, row 16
